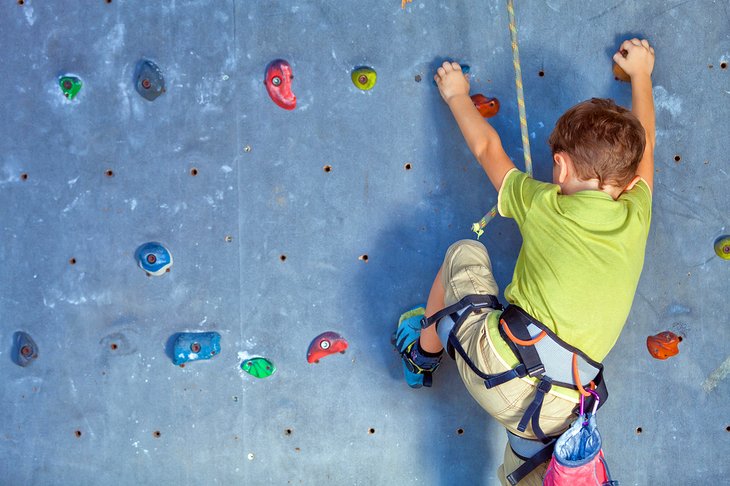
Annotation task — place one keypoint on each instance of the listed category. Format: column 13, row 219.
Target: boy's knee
column 467, row 270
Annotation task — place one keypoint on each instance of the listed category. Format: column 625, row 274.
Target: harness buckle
column 536, row 371
column 546, row 383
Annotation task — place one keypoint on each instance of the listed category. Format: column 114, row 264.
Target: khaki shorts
column 467, row 270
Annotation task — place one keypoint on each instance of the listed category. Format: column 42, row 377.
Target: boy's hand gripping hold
column 451, row 81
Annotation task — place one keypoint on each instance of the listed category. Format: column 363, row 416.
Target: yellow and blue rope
column 478, row 227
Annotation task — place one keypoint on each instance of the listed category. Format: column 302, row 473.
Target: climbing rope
column 478, row 227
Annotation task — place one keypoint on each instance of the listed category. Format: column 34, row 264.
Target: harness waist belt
column 555, row 355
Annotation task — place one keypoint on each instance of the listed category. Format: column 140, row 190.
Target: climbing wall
column 334, row 216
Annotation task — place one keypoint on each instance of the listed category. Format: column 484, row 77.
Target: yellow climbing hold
column 403, row 3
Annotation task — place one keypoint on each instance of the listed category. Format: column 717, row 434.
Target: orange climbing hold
column 663, row 345
column 488, row 107
column 403, row 3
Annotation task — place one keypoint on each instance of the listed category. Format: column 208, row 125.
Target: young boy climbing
column 584, row 238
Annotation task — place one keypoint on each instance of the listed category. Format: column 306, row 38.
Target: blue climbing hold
column 154, row 258
column 24, row 349
column 149, row 81
column 195, row 346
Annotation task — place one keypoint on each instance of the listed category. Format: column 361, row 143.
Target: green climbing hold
column 258, row 367
column 70, row 86
column 364, row 78
column 722, row 247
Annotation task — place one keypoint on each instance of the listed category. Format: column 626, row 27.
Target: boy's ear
column 563, row 168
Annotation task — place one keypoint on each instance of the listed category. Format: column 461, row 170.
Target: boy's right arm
column 480, row 136
column 639, row 63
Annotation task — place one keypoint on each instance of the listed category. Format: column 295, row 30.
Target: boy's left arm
column 636, row 58
column 480, row 136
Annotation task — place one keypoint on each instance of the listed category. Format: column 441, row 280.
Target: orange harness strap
column 521, row 342
column 576, row 378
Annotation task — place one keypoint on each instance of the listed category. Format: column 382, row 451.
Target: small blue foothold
column 196, row 346
column 24, row 349
column 154, row 258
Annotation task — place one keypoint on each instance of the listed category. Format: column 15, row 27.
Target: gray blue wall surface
column 269, row 247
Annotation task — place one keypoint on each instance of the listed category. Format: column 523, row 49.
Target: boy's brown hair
column 604, row 141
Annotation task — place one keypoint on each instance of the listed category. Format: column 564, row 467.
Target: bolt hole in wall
column 639, row 430
column 193, row 172
column 371, row 431
column 282, row 258
column 541, row 73
column 156, row 434
column 363, row 258
column 408, row 166
column 228, row 238
column 109, row 173
column 72, row 261
column 723, row 65
column 727, row 429
column 459, row 431
column 77, row 434
column 418, row 78
column 677, row 158
column 288, row 431
column 23, row 176
column 327, row 168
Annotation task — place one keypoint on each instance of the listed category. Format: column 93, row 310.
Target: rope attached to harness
column 479, row 226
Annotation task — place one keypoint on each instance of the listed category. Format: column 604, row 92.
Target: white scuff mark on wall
column 663, row 100
column 29, row 15
column 226, row 168
column 115, row 39
column 219, row 195
column 75, row 202
column 56, row 296
column 209, row 200
column 73, row 181
column 717, row 376
column 125, row 109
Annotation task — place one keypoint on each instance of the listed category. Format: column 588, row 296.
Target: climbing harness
column 542, row 355
column 479, row 226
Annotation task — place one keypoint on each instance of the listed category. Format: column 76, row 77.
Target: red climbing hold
column 278, row 84
column 325, row 344
column 663, row 345
column 488, row 107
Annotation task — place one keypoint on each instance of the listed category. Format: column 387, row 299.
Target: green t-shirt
column 580, row 260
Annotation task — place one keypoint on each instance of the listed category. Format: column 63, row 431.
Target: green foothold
column 70, row 86
column 364, row 78
column 722, row 247
column 258, row 367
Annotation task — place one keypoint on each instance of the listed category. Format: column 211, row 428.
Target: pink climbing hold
column 278, row 84
column 325, row 344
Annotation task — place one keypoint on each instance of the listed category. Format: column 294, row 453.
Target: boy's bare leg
column 429, row 340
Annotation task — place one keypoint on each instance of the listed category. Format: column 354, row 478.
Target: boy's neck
column 573, row 185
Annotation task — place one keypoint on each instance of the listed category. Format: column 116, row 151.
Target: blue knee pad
column 443, row 329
